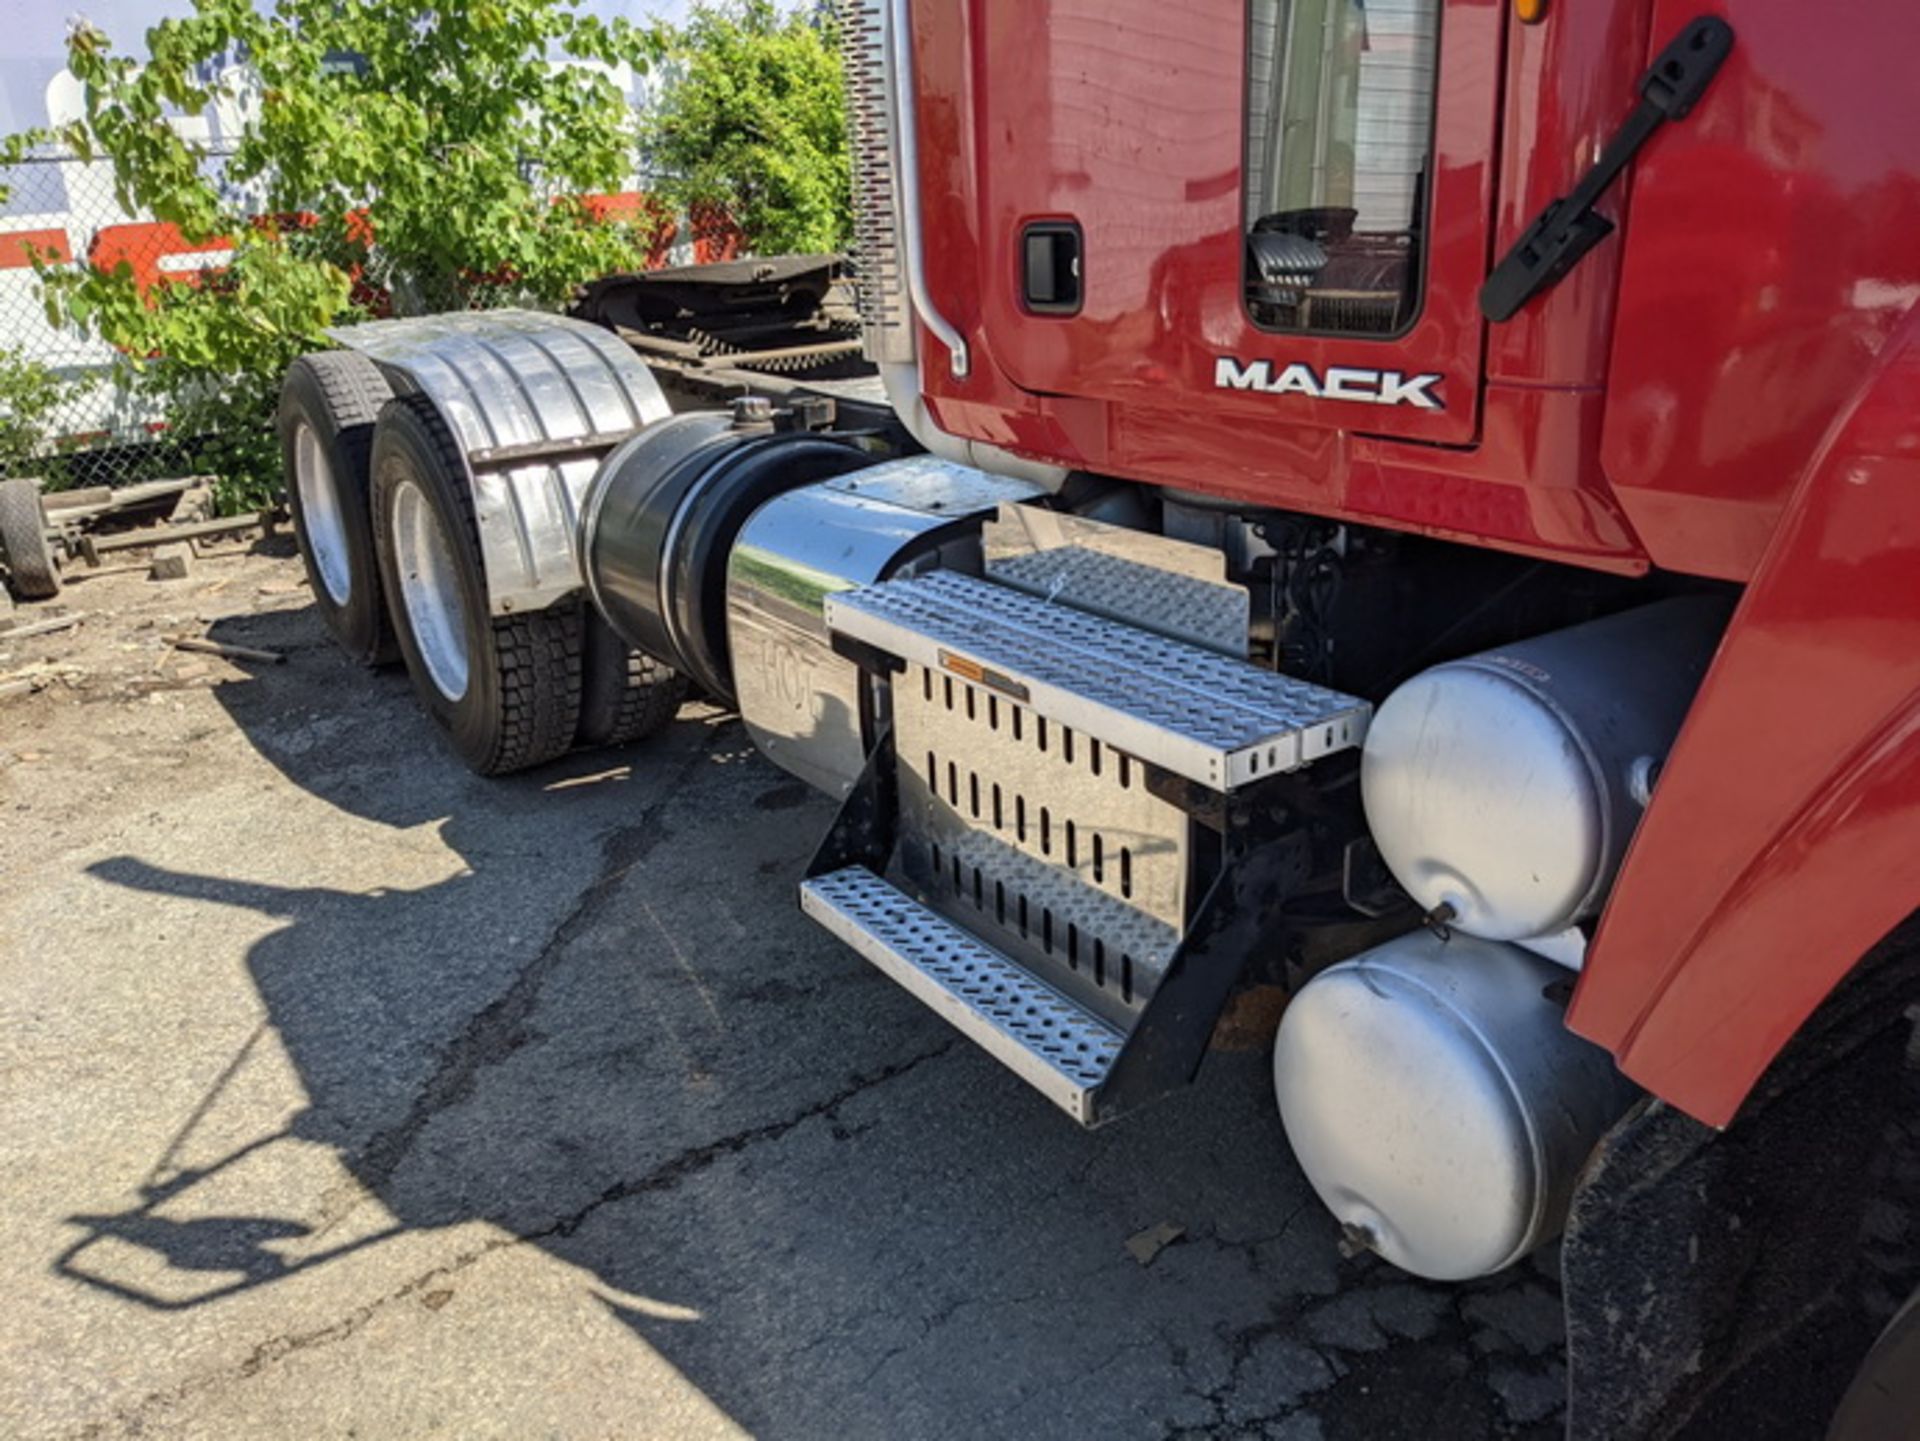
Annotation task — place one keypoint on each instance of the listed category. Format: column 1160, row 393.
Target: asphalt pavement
column 343, row 1094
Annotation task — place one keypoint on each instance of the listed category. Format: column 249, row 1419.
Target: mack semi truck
column 1415, row 503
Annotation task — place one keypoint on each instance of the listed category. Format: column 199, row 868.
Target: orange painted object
column 715, row 236
column 19, row 248
column 642, row 211
column 156, row 253
column 374, row 299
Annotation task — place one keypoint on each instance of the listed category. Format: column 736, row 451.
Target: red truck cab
column 1704, row 394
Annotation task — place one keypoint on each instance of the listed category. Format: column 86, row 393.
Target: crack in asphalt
column 670, row 1173
column 661, row 1178
column 1248, row 1248
column 491, row 1036
column 1240, row 1345
column 1457, row 1333
column 501, row 1028
column 1338, row 1402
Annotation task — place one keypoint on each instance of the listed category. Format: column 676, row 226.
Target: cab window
column 1339, row 150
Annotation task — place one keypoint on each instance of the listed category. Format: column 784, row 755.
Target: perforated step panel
column 1050, row 873
column 1060, row 1048
column 1217, row 721
column 1047, row 845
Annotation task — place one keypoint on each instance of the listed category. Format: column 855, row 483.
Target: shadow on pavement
column 610, row 1034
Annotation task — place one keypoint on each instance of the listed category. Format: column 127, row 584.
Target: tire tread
column 540, row 678
column 351, row 390
column 23, row 538
column 354, row 390
column 649, row 696
column 539, row 654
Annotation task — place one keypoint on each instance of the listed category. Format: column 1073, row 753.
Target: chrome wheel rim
column 430, row 589
column 321, row 513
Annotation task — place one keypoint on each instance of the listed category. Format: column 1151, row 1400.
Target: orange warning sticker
column 979, row 674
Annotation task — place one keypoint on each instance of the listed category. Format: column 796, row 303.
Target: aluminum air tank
column 1438, row 1104
column 1506, row 785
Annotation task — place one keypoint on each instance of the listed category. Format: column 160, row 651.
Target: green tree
column 436, row 150
column 750, row 120
column 30, row 395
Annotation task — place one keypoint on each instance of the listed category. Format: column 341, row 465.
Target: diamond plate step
column 1058, row 1047
column 1214, row 720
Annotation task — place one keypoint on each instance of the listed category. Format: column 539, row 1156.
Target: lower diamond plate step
column 1057, row 1046
column 1202, row 715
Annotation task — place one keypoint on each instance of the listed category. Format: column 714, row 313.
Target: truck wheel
column 507, row 689
column 626, row 695
column 1883, row 1403
column 23, row 540
column 328, row 406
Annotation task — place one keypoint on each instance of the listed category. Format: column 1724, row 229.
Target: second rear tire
column 329, row 403
column 507, row 689
column 626, row 695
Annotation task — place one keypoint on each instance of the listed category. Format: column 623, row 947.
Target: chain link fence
column 68, row 411
column 71, row 407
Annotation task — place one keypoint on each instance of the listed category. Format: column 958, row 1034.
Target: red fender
column 1783, row 839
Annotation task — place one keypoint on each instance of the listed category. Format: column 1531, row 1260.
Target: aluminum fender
column 518, row 378
column 1783, row 840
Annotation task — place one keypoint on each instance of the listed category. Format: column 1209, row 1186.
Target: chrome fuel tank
column 806, row 707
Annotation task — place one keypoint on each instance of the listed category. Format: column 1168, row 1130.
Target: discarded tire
column 507, row 689
column 626, row 695
column 328, row 406
column 23, row 541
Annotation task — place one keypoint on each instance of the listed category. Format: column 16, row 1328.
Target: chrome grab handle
column 900, row 45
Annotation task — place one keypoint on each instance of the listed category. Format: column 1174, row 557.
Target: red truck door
column 1269, row 209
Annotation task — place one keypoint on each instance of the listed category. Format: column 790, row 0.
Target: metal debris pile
column 55, row 547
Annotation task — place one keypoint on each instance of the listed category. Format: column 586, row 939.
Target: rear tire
column 328, row 406
column 626, row 694
column 1883, row 1403
column 506, row 689
column 23, row 540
